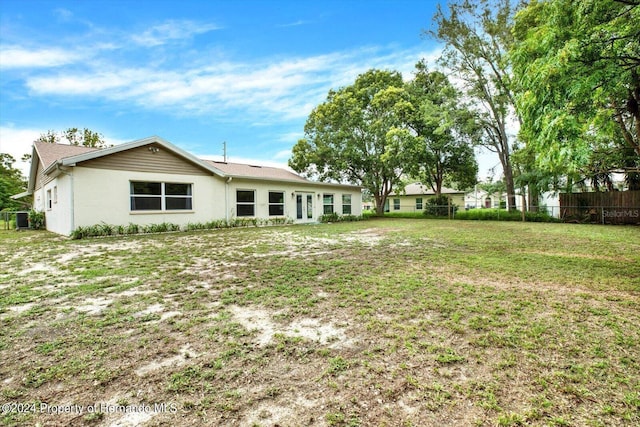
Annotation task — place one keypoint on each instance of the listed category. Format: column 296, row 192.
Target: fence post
column 602, row 213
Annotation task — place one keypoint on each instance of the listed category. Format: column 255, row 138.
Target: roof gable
column 49, row 153
column 156, row 141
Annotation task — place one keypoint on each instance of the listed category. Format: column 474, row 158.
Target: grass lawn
column 394, row 322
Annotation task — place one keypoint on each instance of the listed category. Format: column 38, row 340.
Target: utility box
column 22, row 220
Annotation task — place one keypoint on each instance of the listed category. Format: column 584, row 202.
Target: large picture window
column 327, row 203
column 245, row 203
column 276, row 203
column 346, row 204
column 160, row 196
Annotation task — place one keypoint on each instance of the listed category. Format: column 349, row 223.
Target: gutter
column 226, row 199
column 70, row 175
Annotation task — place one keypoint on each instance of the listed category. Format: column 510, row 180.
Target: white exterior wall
column 409, row 203
column 262, row 189
column 90, row 196
column 103, row 195
column 58, row 217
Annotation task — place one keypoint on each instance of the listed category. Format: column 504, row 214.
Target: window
column 419, row 203
column 299, row 206
column 327, row 202
column 177, row 196
column 346, row 204
column 396, row 204
column 159, row 196
column 245, row 202
column 49, row 199
column 386, row 205
column 309, row 206
column 276, row 203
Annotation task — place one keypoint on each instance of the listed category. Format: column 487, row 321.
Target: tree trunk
column 508, row 179
column 380, row 201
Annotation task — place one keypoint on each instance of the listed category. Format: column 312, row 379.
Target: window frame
column 419, row 203
column 326, row 205
column 396, row 204
column 244, row 204
column 279, row 205
column 162, row 197
column 346, row 207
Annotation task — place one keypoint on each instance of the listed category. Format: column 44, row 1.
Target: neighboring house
column 415, row 196
column 479, row 198
column 151, row 181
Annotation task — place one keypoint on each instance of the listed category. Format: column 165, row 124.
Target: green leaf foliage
column 576, row 68
column 359, row 135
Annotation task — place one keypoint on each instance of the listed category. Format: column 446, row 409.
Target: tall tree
column 444, row 131
column 11, row 182
column 577, row 64
column 477, row 38
column 358, row 135
column 74, row 136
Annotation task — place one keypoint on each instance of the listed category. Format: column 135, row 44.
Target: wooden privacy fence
column 612, row 207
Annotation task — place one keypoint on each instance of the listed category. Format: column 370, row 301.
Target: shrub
column 36, row 219
column 504, row 215
column 440, row 206
column 334, row 217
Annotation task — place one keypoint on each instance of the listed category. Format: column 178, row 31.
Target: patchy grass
column 382, row 322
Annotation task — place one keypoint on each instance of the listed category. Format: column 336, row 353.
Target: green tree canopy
column 11, row 182
column 74, row 136
column 576, row 64
column 358, row 135
column 444, row 132
column 477, row 37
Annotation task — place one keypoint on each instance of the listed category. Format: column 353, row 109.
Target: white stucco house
column 151, row 181
column 415, row 195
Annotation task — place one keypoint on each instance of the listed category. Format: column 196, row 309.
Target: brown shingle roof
column 49, row 153
column 252, row 171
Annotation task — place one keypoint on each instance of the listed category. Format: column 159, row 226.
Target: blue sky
column 196, row 73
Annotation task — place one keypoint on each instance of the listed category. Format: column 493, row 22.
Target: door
column 304, row 207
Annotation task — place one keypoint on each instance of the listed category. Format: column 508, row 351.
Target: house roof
column 95, row 153
column 240, row 170
column 53, row 155
column 419, row 189
column 49, row 153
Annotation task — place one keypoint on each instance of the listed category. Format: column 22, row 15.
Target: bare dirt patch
column 261, row 321
column 377, row 323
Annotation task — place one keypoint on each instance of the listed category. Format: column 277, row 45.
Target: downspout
column 70, row 175
column 226, row 199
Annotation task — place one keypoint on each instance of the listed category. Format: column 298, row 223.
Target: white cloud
column 283, row 155
column 171, row 30
column 17, row 142
column 19, row 57
column 287, row 87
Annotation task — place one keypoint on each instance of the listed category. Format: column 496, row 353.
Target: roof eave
column 73, row 160
column 21, row 195
column 295, row 181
